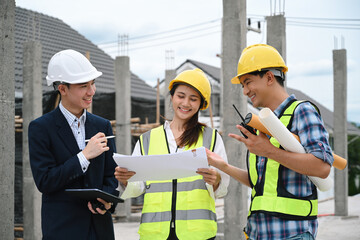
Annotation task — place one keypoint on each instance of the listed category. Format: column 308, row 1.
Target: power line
column 169, row 36
column 165, row 43
column 326, row 19
column 324, row 25
column 167, row 31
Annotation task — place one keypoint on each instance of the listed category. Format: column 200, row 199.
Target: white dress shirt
column 77, row 126
column 135, row 189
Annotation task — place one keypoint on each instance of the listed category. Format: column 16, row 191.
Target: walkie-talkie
column 250, row 129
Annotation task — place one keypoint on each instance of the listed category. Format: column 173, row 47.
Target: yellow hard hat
column 197, row 79
column 258, row 57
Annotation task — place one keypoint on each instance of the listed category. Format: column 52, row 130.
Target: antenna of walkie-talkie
column 250, row 129
column 239, row 113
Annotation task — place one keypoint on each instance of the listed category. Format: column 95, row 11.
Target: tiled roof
column 55, row 35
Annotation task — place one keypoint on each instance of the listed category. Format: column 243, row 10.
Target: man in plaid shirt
column 278, row 177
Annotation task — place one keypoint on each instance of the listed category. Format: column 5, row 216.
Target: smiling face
column 186, row 102
column 256, row 88
column 77, row 97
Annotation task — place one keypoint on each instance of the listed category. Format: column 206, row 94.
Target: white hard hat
column 70, row 66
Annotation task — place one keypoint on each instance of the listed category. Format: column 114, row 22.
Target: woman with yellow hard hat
column 180, row 208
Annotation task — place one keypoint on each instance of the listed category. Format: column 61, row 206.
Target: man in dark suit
column 60, row 159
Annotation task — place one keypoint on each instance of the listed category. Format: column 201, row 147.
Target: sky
column 191, row 29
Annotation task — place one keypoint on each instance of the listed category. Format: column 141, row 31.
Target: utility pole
column 123, row 117
column 234, row 29
column 340, row 130
column 7, row 123
column 31, row 109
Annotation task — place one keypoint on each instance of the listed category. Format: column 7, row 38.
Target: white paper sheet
column 163, row 167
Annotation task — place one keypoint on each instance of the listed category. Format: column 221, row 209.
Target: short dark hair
column 262, row 73
column 56, row 84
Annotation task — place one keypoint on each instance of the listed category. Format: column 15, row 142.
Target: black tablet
column 93, row 194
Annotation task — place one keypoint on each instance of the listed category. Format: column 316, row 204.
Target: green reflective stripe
column 290, row 206
column 197, row 214
column 181, row 186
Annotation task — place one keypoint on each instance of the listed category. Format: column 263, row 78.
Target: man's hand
column 98, row 210
column 215, row 160
column 96, row 146
column 257, row 144
column 123, row 175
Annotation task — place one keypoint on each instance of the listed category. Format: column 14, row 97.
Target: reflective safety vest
column 184, row 204
column 270, row 195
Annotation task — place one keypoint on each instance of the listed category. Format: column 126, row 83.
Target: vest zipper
column 173, row 203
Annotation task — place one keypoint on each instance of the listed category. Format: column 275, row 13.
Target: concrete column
column 169, row 76
column 31, row 109
column 123, row 116
column 233, row 42
column 7, row 123
column 340, row 130
column 276, row 34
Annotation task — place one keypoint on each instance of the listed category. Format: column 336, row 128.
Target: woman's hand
column 123, row 175
column 211, row 176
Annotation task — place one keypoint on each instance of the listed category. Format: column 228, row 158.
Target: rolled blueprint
column 289, row 143
column 253, row 121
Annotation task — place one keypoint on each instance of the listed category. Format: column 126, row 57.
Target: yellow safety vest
column 184, row 203
column 270, row 195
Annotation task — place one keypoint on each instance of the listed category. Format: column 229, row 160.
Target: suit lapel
column 90, row 129
column 65, row 133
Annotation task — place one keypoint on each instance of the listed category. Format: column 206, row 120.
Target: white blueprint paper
column 163, row 167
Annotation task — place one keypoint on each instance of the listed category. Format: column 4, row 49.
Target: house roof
column 55, row 35
column 326, row 114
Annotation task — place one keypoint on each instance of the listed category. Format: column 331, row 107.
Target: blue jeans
column 304, row 236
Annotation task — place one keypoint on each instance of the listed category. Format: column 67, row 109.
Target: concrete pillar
column 169, row 76
column 7, row 123
column 233, row 42
column 340, row 130
column 31, row 109
column 276, row 34
column 123, row 116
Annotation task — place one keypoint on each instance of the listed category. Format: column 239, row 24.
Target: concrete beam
column 123, row 117
column 340, row 130
column 233, row 42
column 7, row 123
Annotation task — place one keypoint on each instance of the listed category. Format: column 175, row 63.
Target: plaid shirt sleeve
column 308, row 125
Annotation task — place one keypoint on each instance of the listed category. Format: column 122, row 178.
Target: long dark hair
column 193, row 128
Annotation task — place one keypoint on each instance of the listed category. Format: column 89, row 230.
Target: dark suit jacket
column 55, row 167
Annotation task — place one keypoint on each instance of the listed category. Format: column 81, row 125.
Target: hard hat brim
column 89, row 78
column 235, row 80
